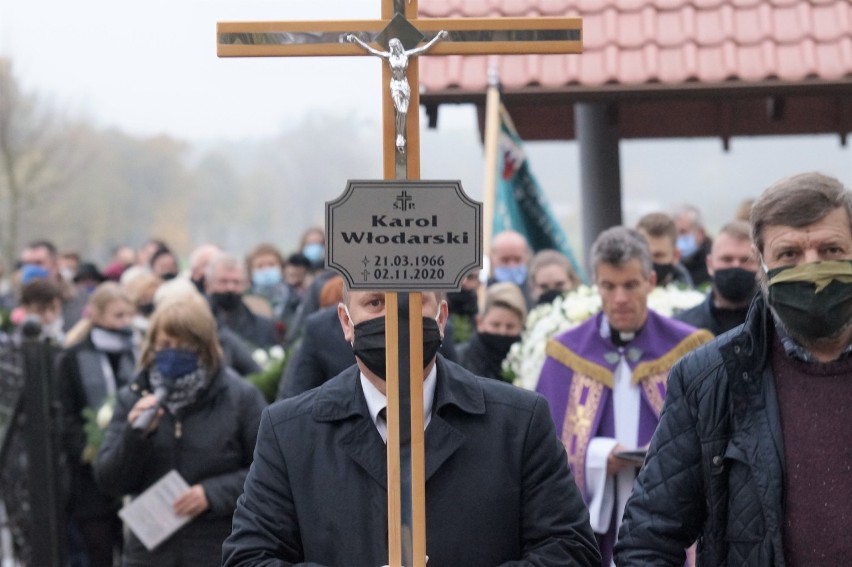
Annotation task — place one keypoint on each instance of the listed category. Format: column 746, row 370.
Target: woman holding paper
column 184, row 413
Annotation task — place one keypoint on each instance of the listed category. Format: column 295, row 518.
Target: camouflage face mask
column 813, row 301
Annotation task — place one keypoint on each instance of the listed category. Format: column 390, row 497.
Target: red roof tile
column 636, row 42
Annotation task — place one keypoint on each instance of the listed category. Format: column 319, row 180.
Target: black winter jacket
column 81, row 383
column 210, row 442
column 714, row 470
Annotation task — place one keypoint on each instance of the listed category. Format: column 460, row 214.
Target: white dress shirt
column 377, row 401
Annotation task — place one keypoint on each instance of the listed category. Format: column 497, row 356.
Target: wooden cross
column 468, row 36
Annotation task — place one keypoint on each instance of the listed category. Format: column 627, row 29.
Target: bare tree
column 37, row 156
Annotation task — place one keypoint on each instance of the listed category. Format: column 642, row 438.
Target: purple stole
column 577, row 380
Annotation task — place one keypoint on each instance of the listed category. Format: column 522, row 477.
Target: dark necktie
column 383, row 415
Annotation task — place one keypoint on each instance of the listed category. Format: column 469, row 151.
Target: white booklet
column 150, row 516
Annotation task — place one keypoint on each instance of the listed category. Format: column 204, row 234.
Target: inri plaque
column 403, row 235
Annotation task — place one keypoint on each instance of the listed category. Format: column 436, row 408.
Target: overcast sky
column 151, row 67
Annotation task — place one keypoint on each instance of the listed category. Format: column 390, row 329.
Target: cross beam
column 469, row 36
column 465, row 36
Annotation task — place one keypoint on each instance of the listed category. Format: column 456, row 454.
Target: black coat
column 498, row 486
column 706, row 316
column 255, row 330
column 322, row 353
column 696, row 264
column 236, row 352
column 476, row 357
column 81, row 383
column 701, row 316
column 208, row 443
column 714, row 471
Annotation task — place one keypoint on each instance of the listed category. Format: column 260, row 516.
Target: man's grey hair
column 618, row 245
column 690, row 212
column 202, row 254
column 797, row 202
column 223, row 260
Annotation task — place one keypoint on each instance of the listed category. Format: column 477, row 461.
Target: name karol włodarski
column 403, row 237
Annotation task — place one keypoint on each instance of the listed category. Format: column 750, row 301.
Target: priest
column 605, row 379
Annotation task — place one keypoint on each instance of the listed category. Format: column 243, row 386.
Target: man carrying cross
column 491, row 488
column 498, row 488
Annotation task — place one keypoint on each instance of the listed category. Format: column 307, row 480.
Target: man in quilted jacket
column 749, row 457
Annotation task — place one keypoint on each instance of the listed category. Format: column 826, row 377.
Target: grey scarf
column 184, row 391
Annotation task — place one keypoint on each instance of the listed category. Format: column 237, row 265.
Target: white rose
column 260, row 356
column 104, row 415
column 276, row 352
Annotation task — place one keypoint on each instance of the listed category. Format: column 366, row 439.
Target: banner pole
column 492, row 136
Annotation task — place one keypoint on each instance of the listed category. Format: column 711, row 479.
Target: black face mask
column 735, row 284
column 199, row 284
column 498, row 345
column 813, row 301
column 464, row 302
column 665, row 273
column 168, row 276
column 548, row 296
column 227, row 301
column 369, row 344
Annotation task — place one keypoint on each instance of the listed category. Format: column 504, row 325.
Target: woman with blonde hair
column 98, row 361
column 141, row 289
column 550, row 275
column 188, row 412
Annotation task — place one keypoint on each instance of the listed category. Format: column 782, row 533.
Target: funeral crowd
column 708, row 434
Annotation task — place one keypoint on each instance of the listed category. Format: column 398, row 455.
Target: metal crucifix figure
column 397, row 57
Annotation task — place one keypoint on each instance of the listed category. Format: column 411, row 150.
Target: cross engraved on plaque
column 404, row 202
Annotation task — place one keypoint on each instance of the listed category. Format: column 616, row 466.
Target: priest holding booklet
column 498, row 487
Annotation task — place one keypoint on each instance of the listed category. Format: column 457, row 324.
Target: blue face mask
column 513, row 274
column 687, row 245
column 173, row 363
column 314, row 252
column 266, row 277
